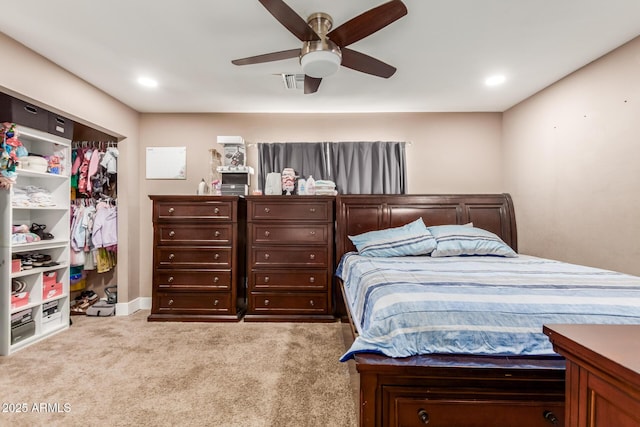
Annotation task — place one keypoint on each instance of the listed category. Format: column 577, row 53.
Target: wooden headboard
column 357, row 214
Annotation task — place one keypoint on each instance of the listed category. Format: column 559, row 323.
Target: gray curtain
column 356, row 167
column 369, row 167
column 306, row 158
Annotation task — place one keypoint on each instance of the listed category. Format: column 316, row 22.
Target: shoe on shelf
column 38, row 229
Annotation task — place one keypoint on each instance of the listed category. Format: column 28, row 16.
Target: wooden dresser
column 290, row 258
column 603, row 373
column 198, row 258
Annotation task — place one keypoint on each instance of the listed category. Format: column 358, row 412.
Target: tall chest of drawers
column 290, row 258
column 198, row 258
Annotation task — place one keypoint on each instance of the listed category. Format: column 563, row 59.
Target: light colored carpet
column 125, row 371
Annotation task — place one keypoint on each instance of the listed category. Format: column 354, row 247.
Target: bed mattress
column 480, row 305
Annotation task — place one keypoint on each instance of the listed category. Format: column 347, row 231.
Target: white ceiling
column 443, row 50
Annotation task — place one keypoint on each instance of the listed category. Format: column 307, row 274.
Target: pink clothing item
column 93, row 168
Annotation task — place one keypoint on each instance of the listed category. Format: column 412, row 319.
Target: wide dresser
column 198, row 258
column 290, row 258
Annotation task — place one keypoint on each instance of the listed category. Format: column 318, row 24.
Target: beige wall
column 568, row 155
column 571, row 162
column 31, row 77
column 449, row 153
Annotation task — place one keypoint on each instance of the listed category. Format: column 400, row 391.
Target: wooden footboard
column 460, row 391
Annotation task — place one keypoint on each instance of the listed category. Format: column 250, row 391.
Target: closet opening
column 94, row 213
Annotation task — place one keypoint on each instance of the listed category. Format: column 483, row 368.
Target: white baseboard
column 127, row 308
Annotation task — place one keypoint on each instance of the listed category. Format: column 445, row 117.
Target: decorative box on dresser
column 603, row 373
column 198, row 258
column 290, row 258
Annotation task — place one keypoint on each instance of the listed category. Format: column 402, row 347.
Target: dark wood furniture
column 198, row 258
column 290, row 258
column 449, row 390
column 603, row 373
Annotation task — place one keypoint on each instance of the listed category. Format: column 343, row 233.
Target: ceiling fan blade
column 268, row 57
column 366, row 64
column 290, row 19
column 311, row 84
column 367, row 23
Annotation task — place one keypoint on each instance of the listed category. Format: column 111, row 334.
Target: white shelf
column 57, row 221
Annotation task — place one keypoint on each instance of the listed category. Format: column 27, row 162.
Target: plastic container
column 311, row 186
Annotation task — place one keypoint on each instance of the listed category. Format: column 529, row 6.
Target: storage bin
column 22, row 113
column 19, row 299
column 49, row 278
column 60, row 126
column 15, row 265
column 51, row 291
column 23, row 331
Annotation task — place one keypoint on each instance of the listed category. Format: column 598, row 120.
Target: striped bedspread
column 406, row 306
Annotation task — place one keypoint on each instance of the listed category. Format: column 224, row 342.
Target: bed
column 512, row 381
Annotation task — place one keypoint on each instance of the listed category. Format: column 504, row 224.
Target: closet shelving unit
column 57, row 221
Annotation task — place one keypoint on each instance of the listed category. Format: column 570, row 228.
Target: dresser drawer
column 291, row 210
column 288, row 234
column 289, row 280
column 196, row 257
column 193, row 303
column 181, row 234
column 290, row 256
column 205, row 280
column 289, row 303
column 209, row 210
column 408, row 412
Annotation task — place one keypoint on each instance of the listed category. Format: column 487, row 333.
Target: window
column 356, row 167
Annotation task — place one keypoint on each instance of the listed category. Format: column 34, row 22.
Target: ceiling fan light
column 320, row 63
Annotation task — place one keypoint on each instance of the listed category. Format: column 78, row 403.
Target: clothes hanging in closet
column 94, row 169
column 94, row 235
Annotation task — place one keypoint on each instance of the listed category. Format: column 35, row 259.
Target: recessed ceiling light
column 147, row 82
column 495, row 80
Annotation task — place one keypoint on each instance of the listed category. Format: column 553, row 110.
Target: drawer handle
column 312, row 232
column 267, row 233
column 312, row 279
column 172, row 233
column 171, row 210
column 312, row 210
column 266, row 279
column 266, row 256
column 312, row 256
column 423, row 416
column 551, row 417
column 216, row 256
column 267, row 210
column 216, row 279
column 170, row 279
column 311, row 303
column 171, row 257
column 216, row 211
column 30, row 109
column 215, row 302
column 266, row 302
column 216, row 234
column 170, row 302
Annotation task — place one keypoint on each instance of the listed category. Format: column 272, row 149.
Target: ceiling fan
column 323, row 49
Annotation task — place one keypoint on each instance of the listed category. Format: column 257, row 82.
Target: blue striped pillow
column 410, row 239
column 456, row 240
